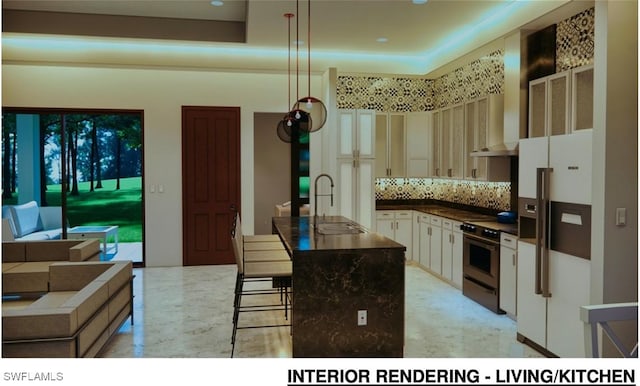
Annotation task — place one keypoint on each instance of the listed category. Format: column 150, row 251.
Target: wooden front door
column 211, row 182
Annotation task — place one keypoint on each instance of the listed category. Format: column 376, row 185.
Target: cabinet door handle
column 449, row 173
column 513, row 257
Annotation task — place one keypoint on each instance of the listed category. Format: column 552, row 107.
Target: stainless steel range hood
column 498, row 150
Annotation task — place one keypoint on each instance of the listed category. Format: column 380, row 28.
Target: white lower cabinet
column 397, row 225
column 436, row 245
column 452, row 251
column 431, row 242
column 415, row 230
column 508, row 271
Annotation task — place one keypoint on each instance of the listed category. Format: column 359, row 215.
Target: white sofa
column 31, row 222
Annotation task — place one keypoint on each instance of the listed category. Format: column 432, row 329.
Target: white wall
column 614, row 274
column 161, row 94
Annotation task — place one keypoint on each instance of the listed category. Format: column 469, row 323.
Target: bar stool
column 256, row 271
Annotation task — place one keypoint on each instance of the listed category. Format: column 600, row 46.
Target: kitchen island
column 348, row 288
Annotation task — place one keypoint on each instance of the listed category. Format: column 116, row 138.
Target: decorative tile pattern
column 575, row 47
column 480, row 77
column 575, row 41
column 491, row 195
column 385, row 94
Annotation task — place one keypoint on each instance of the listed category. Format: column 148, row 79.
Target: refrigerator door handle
column 539, row 228
column 542, row 232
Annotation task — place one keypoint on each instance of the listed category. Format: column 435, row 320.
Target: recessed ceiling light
column 217, row 3
column 418, row 1
column 382, row 40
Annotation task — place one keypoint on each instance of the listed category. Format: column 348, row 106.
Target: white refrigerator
column 553, row 272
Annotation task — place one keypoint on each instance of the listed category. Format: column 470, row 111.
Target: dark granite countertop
column 298, row 235
column 457, row 213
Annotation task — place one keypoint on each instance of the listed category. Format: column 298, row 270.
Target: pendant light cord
column 297, row 51
column 289, row 16
column 309, row 48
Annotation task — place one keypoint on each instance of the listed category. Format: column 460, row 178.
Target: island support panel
column 330, row 287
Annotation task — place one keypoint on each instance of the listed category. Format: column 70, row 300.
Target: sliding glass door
column 89, row 163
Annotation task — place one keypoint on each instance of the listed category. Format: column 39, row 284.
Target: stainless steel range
column 481, row 262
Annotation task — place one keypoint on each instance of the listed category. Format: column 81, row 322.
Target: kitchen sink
column 338, row 228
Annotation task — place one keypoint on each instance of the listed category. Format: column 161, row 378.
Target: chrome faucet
column 316, row 195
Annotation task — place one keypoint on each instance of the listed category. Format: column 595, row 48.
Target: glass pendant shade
column 301, row 119
column 284, row 130
column 316, row 110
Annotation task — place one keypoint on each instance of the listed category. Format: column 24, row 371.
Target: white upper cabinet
column 436, row 143
column 447, row 142
column 390, row 145
column 452, row 141
column 549, row 105
column 561, row 103
column 418, row 144
column 484, row 128
column 582, row 98
column 356, row 133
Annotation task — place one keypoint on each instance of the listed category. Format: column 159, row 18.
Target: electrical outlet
column 362, row 317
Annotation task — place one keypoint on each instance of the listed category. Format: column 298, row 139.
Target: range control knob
column 468, row 227
column 490, row 233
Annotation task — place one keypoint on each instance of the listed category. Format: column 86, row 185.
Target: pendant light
column 285, row 126
column 313, row 106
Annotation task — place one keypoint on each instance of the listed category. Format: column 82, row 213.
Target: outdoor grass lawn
column 104, row 206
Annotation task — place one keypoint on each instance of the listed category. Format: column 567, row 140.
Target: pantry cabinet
column 390, row 145
column 355, row 164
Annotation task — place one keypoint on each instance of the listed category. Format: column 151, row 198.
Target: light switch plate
column 621, row 216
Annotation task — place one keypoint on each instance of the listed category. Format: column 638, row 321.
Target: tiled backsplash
column 490, row 195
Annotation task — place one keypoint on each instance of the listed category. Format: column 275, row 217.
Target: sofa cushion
column 50, row 234
column 72, row 276
column 6, row 215
column 27, row 277
column 26, row 218
column 49, row 250
column 35, row 322
column 13, row 252
column 85, row 251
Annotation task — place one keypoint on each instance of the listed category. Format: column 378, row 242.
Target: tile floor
column 185, row 312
